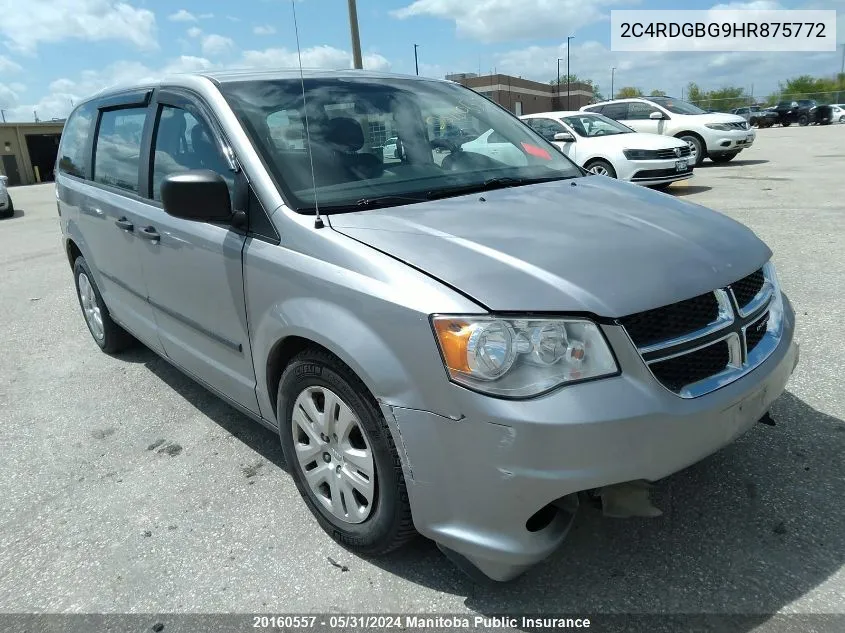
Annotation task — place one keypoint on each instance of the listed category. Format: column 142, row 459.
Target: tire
column 723, row 158
column 106, row 333
column 601, row 168
column 753, row 122
column 696, row 147
column 803, row 120
column 786, row 124
column 385, row 524
column 9, row 211
column 842, row 119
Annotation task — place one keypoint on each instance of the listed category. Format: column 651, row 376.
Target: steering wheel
column 600, row 132
column 446, row 145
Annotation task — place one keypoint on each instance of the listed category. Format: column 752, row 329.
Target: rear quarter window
column 74, row 144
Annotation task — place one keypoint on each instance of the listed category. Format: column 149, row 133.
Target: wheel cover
column 693, row 148
column 333, row 454
column 93, row 315
column 599, row 170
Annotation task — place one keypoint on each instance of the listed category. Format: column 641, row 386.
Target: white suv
column 715, row 135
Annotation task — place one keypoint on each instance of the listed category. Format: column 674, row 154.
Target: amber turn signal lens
column 453, row 336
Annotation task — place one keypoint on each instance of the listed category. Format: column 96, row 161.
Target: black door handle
column 149, row 233
column 124, row 224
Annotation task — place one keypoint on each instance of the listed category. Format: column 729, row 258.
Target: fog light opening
column 542, row 518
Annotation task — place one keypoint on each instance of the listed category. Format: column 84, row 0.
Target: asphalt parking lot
column 125, row 487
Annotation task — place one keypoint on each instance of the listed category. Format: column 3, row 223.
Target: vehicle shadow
column 257, row 437
column 750, row 161
column 746, row 531
column 688, row 190
column 19, row 213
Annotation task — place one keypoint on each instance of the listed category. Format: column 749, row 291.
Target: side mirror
column 200, row 195
column 656, row 116
column 564, row 137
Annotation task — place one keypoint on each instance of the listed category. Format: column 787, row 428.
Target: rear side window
column 117, row 154
column 72, row 158
column 617, row 111
column 598, row 109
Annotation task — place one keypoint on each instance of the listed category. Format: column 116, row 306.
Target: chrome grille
column 671, row 153
column 700, row 344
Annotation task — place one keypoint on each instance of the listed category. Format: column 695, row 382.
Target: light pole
column 569, row 37
column 612, row 73
column 416, row 63
column 356, row 38
column 558, row 82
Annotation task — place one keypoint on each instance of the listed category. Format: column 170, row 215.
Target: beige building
column 28, row 151
column 523, row 96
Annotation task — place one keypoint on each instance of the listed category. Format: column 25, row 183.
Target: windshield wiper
column 489, row 185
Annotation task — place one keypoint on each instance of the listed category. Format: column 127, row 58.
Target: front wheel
column 786, row 123
column 803, row 120
column 342, row 456
column 723, row 158
column 842, row 119
column 10, row 210
column 696, row 148
column 600, row 168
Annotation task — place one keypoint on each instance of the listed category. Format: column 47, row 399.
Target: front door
column 638, row 118
column 193, row 269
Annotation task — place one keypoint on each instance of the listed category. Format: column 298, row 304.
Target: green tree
column 628, row 91
column 656, row 93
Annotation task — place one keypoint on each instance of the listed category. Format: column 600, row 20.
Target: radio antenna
column 318, row 220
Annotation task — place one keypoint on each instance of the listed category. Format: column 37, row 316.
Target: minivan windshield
column 676, row 106
column 448, row 141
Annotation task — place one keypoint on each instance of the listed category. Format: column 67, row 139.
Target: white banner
column 723, row 30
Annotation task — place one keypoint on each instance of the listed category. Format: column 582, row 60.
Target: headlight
column 520, row 358
column 724, row 127
column 637, row 154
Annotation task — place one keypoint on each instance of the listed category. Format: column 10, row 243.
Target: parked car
column 389, row 151
column 715, row 135
column 802, row 112
column 7, row 208
column 827, row 114
column 838, row 111
column 757, row 116
column 608, row 148
column 454, row 349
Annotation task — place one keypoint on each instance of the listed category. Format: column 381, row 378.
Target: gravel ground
column 125, row 487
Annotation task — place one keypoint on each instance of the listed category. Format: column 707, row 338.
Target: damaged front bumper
column 490, row 484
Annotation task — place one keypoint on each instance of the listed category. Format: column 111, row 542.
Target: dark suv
column 802, row 112
column 757, row 116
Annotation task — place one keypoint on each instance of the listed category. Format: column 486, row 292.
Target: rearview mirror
column 564, row 137
column 656, row 116
column 200, row 195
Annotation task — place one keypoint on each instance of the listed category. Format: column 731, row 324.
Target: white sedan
column 606, row 147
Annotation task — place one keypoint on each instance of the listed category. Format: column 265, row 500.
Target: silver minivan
column 447, row 344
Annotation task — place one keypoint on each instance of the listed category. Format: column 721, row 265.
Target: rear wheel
column 842, row 119
column 600, row 168
column 107, row 334
column 341, row 454
column 723, row 158
column 786, row 124
column 696, row 148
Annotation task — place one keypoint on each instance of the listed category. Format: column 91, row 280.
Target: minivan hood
column 592, row 245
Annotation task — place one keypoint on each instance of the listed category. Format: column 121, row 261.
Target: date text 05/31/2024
column 417, row 622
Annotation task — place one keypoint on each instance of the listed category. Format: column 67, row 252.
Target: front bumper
column 726, row 142
column 656, row 172
column 477, row 476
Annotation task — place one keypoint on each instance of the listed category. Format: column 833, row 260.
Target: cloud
column 264, row 30
column 215, row 44
column 498, row 20
column 8, row 98
column 194, row 31
column 314, row 57
column 182, row 16
column 8, row 66
column 24, row 25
